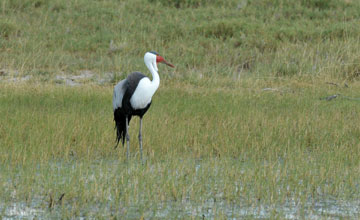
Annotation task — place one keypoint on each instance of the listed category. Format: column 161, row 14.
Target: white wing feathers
column 143, row 94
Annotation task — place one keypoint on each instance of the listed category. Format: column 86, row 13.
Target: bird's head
column 154, row 58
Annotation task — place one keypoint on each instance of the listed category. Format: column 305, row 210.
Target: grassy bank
column 204, row 38
column 205, row 148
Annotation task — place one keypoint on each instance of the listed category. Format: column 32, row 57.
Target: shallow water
column 329, row 208
column 21, row 211
column 312, row 210
column 38, row 207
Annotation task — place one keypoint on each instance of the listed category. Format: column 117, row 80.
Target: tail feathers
column 120, row 125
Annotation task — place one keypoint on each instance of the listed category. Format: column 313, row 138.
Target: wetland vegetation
column 242, row 128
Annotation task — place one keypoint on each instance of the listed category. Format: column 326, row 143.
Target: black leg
column 140, row 140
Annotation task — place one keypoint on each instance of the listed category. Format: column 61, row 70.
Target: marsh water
column 328, row 208
column 38, row 207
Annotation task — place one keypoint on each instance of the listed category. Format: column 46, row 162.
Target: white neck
column 156, row 79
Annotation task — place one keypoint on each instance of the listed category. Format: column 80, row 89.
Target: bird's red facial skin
column 159, row 59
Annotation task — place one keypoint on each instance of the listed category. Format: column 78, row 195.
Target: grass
column 232, row 143
column 207, row 38
column 237, row 129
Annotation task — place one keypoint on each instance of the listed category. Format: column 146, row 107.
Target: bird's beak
column 160, row 59
column 167, row 63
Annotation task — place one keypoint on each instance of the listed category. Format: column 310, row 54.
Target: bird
column 133, row 97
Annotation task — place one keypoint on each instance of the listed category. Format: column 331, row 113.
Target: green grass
column 232, row 142
column 207, row 38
